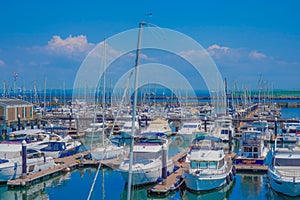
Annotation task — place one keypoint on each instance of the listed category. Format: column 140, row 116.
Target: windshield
column 287, row 162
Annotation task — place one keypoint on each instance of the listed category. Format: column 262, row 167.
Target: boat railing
column 251, row 142
column 212, row 171
column 288, row 173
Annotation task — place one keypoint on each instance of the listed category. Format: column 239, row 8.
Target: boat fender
column 227, row 180
column 159, row 179
column 175, row 168
column 168, row 173
column 233, row 170
column 230, row 176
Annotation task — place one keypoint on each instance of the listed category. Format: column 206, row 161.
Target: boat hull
column 145, row 175
column 13, row 169
column 249, row 161
column 204, row 182
column 289, row 186
column 109, row 153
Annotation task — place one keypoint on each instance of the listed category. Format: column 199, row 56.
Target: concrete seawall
column 289, row 104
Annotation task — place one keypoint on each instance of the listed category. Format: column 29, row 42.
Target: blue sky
column 246, row 39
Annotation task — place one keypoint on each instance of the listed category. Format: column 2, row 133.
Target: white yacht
column 291, row 132
column 36, row 161
column 33, row 137
column 160, row 126
column 189, row 130
column 209, row 167
column 147, row 159
column 107, row 151
column 95, row 131
column 59, row 147
column 252, row 151
column 223, row 127
column 284, row 171
column 125, row 131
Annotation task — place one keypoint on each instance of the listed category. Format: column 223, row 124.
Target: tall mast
column 45, row 82
column 103, row 95
column 137, row 61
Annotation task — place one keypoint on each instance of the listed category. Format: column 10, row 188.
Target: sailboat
column 106, row 149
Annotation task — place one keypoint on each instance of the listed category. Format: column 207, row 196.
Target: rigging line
column 158, row 32
column 105, row 150
column 95, row 179
column 121, row 104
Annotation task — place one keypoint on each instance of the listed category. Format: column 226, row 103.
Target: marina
column 149, row 112
column 174, row 182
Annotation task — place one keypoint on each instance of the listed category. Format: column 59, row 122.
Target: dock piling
column 164, row 163
column 24, row 158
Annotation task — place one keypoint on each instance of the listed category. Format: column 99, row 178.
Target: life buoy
column 233, row 170
column 227, row 180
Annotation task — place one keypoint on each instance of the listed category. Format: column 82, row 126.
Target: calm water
column 110, row 185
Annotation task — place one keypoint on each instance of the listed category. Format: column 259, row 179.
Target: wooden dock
column 252, row 168
column 63, row 165
column 174, row 180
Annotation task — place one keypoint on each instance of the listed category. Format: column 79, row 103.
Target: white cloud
column 71, row 46
column 228, row 54
column 194, row 54
column 215, row 47
column 2, row 63
column 257, row 55
column 142, row 56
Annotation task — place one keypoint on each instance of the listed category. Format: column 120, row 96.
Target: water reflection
column 251, row 184
column 222, row 193
column 37, row 191
column 141, row 193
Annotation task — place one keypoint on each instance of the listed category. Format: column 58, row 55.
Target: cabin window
column 194, row 164
column 203, row 165
column 3, row 161
column 145, row 155
column 221, row 163
column 287, row 162
column 213, row 165
column 247, row 149
column 255, row 149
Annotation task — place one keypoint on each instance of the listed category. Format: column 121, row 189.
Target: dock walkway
column 63, row 165
column 252, row 168
column 174, row 180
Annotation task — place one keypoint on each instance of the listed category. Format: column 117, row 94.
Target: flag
column 15, row 76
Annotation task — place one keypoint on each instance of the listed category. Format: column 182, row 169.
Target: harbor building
column 13, row 112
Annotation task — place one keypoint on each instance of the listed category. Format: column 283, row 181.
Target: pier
column 63, row 165
column 251, row 168
column 174, row 180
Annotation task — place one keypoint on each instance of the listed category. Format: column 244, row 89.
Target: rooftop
column 13, row 102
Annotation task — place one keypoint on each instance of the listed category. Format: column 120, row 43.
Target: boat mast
column 103, row 94
column 45, row 83
column 134, row 108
